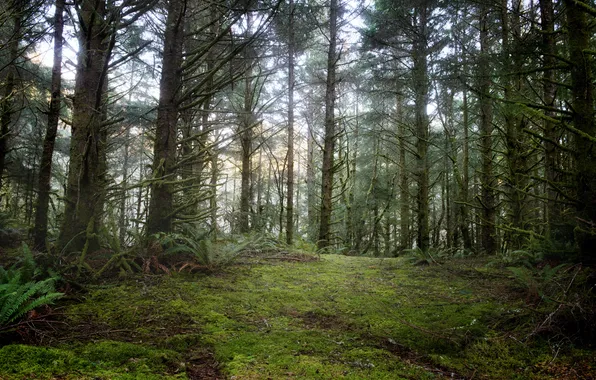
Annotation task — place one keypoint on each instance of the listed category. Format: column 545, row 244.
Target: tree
column 290, row 181
column 98, row 26
column 582, row 103
column 549, row 90
column 327, row 169
column 18, row 17
column 45, row 170
column 420, row 87
column 487, row 178
column 161, row 205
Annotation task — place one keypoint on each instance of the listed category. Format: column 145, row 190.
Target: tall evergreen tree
column 327, row 170
column 45, row 170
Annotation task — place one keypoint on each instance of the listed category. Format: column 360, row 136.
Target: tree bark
column 290, row 189
column 515, row 173
column 324, row 240
column 582, row 103
column 246, row 143
column 464, row 190
column 7, row 100
column 487, row 180
column 86, row 177
column 404, row 179
column 549, row 91
column 161, row 204
column 213, row 198
column 310, row 183
column 122, row 220
column 40, row 228
column 421, row 88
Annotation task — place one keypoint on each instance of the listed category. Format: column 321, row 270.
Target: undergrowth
column 24, row 287
column 253, row 308
column 275, row 315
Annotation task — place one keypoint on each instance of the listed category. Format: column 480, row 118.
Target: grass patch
column 340, row 317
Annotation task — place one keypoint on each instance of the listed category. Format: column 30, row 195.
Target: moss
column 109, row 360
column 183, row 342
column 341, row 317
column 19, row 361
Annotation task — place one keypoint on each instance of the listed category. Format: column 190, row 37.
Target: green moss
column 183, row 342
column 109, row 360
column 19, row 361
column 341, row 317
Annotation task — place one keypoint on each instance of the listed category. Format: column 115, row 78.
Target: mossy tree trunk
column 15, row 9
column 515, row 174
column 324, row 239
column 247, row 125
column 86, row 174
column 161, row 205
column 405, row 241
column 421, row 88
column 45, row 169
column 488, row 239
column 290, row 182
column 464, row 222
column 579, row 33
column 549, row 91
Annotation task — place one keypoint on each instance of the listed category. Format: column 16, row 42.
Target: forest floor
column 296, row 316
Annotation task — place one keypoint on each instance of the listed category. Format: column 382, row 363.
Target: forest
column 264, row 189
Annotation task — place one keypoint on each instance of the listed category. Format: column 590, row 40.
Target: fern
column 417, row 256
column 18, row 299
column 20, row 292
column 27, row 267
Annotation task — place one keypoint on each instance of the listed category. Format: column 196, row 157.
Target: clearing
column 300, row 317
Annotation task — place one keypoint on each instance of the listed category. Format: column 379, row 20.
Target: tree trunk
column 7, row 101
column 324, row 240
column 487, row 180
column 404, row 188
column 515, row 174
column 351, row 171
column 421, row 87
column 122, row 220
column 246, row 140
column 213, row 198
column 290, row 189
column 464, row 190
column 161, row 204
column 582, row 104
column 40, row 229
column 549, row 89
column 310, row 183
column 86, row 177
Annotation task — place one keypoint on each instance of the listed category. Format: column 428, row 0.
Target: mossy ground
column 340, row 317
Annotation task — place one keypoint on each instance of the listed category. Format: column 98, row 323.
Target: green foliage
column 6, row 220
column 562, row 301
column 21, row 290
column 305, row 245
column 193, row 249
column 417, row 256
column 526, row 258
column 537, row 281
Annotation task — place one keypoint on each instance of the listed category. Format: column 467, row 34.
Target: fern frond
column 16, row 300
column 41, row 301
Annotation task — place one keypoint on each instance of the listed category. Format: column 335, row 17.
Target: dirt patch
column 202, row 365
column 313, row 320
column 409, row 356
